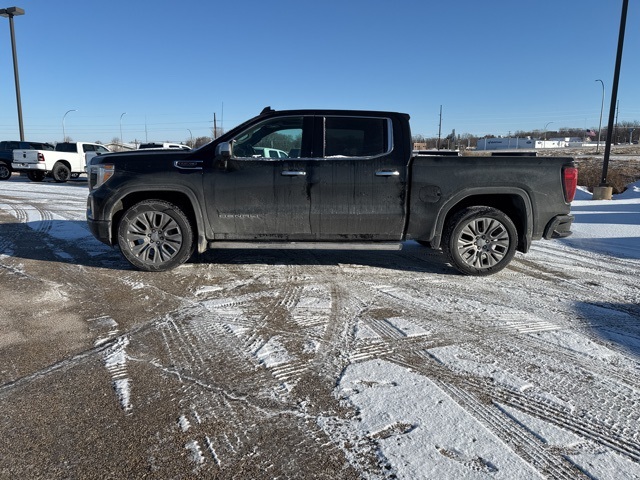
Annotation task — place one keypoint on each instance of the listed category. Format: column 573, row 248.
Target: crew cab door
column 260, row 192
column 357, row 188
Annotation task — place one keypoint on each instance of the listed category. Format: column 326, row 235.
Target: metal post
column 439, row 128
column 121, row 140
column 614, row 93
column 64, row 136
column 601, row 108
column 545, row 132
column 10, row 13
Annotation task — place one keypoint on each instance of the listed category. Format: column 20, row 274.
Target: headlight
column 98, row 174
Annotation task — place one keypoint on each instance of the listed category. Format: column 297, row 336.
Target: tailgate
column 25, row 156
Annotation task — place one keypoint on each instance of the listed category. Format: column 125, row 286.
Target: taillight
column 569, row 183
column 40, row 157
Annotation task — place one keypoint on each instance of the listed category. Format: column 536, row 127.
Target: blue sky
column 495, row 66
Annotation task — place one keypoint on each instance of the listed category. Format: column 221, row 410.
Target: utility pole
column 615, row 129
column 614, row 92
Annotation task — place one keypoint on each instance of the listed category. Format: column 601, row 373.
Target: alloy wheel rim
column 483, row 243
column 154, row 237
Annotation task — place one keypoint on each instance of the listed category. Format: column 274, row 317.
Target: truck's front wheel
column 155, row 236
column 480, row 240
column 61, row 172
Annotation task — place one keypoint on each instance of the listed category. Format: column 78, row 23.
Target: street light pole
column 10, row 13
column 601, row 108
column 64, row 136
column 545, row 130
column 121, row 140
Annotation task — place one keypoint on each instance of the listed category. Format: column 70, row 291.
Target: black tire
column 155, row 236
column 35, row 176
column 60, row 173
column 5, row 171
column 480, row 240
column 75, row 175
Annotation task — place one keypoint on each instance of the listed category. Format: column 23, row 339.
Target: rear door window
column 357, row 136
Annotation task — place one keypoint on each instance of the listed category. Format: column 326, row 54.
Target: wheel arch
column 185, row 200
column 515, row 203
column 66, row 163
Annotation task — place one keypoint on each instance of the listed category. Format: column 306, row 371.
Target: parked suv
column 6, row 154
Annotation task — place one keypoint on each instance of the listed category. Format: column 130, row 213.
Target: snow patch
column 606, row 465
column 196, row 452
column 115, row 360
column 272, row 353
column 545, row 431
column 406, row 327
column 456, row 358
column 184, row 423
column 577, row 343
column 419, row 429
column 207, row 289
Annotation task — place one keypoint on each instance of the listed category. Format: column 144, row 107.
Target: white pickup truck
column 68, row 160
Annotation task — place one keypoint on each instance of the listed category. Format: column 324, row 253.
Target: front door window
column 276, row 138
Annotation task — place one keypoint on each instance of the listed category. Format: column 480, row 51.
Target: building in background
column 528, row 143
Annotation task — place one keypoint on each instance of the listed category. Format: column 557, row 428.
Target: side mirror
column 223, row 150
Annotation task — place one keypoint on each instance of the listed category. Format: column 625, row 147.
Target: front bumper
column 558, row 227
column 101, row 229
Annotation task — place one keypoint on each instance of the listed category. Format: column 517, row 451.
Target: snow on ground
column 426, row 448
column 607, row 226
column 422, row 424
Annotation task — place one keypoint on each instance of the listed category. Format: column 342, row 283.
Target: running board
column 309, row 245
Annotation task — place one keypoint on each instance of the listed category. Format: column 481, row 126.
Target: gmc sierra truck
column 350, row 181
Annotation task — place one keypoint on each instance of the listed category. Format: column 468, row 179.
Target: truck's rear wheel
column 155, row 236
column 61, row 173
column 5, row 171
column 35, row 176
column 480, row 240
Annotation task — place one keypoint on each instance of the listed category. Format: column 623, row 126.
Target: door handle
column 387, row 173
column 294, row 173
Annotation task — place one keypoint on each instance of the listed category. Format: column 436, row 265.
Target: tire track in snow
column 115, row 360
column 467, row 389
column 544, row 459
column 519, row 439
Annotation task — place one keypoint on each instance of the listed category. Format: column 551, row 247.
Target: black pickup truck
column 334, row 179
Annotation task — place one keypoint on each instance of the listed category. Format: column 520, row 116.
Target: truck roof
column 268, row 111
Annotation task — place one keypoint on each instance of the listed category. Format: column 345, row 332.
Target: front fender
column 115, row 204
